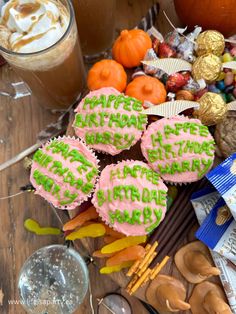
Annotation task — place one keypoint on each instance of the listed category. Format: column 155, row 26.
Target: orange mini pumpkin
column 130, row 47
column 147, row 88
column 107, row 73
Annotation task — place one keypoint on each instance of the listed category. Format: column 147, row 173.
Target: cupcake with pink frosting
column 130, row 197
column 180, row 149
column 64, row 172
column 109, row 121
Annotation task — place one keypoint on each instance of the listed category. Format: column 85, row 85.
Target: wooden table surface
column 21, row 120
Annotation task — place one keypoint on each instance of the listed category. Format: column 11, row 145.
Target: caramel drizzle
column 24, row 42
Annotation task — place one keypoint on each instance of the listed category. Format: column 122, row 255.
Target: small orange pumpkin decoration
column 107, row 73
column 130, row 47
column 147, row 88
column 210, row 14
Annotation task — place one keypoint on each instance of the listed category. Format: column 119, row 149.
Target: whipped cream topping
column 33, row 25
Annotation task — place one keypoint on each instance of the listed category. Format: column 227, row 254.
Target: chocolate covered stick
column 180, row 205
column 177, row 239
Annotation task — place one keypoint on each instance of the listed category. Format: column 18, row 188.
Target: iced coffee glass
column 39, row 40
column 96, row 26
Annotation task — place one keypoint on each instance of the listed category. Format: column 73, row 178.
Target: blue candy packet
column 218, row 231
column 223, row 177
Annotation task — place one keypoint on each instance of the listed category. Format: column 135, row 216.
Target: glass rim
column 36, row 53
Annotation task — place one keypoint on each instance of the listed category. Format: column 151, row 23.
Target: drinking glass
column 55, row 75
column 96, row 26
column 53, row 280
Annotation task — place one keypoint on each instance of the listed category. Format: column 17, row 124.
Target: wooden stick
column 159, row 267
column 140, row 281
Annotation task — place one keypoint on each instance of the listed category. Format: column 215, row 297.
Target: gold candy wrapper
column 207, row 67
column 212, row 109
column 210, row 42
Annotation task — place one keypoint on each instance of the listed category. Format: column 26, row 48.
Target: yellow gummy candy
column 123, row 243
column 92, row 231
column 33, row 226
column 116, row 268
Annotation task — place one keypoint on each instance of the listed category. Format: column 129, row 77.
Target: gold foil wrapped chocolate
column 210, row 42
column 207, row 67
column 212, row 109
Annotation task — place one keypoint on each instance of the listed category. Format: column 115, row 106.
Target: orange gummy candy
column 129, row 254
column 80, row 219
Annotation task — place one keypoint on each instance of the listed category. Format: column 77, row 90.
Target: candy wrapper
column 203, row 201
column 223, row 177
column 218, row 231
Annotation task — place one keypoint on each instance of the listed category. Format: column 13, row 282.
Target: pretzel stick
column 149, row 253
column 135, row 266
column 142, row 270
column 140, row 281
column 159, row 267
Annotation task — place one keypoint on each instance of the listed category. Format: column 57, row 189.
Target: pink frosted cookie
column 180, row 149
column 64, row 172
column 130, row 197
column 109, row 121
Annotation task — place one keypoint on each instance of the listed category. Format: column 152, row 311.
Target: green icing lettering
column 59, row 147
column 42, row 159
column 117, row 192
column 194, row 128
column 168, row 130
column 111, row 98
column 90, row 175
column 77, row 156
column 136, row 216
column 157, row 139
column 196, row 165
column 128, row 140
column 90, row 138
column 164, row 169
column 146, row 195
column 90, row 102
column 175, row 167
column 119, row 216
column 57, row 168
column 69, row 178
column 142, row 120
column 135, row 195
column 203, row 130
column 41, row 179
column 207, row 163
column 158, row 215
column 155, row 154
column 180, row 150
column 112, row 217
column 78, row 183
column 101, row 197
column 147, row 215
column 70, row 197
column 56, row 191
column 102, row 116
column 137, row 104
column 168, row 151
column 87, row 188
column 114, row 118
column 185, row 165
column 178, row 127
column 189, row 147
